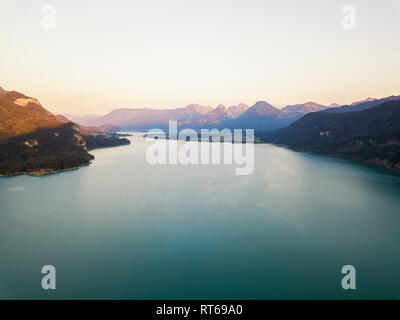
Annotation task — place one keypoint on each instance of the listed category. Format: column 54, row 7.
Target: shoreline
column 47, row 171
column 43, row 172
column 366, row 163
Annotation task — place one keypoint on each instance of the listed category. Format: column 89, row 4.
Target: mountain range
column 261, row 115
column 363, row 105
column 33, row 140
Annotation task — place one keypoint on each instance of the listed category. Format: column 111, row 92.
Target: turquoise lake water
column 123, row 229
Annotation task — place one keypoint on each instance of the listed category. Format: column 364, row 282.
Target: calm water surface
column 123, row 229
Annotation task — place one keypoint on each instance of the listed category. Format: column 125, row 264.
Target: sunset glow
column 167, row 54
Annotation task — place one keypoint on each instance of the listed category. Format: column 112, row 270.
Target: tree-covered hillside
column 371, row 136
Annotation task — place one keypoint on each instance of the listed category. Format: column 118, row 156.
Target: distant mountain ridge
column 261, row 115
column 362, row 105
column 369, row 99
column 33, row 140
column 193, row 115
column 236, row 111
column 80, row 119
column 304, row 108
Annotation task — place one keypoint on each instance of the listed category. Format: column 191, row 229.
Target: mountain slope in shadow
column 371, row 136
column 34, row 141
column 44, row 150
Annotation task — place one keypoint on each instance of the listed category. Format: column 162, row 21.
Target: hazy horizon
column 66, row 113
column 227, row 106
column 134, row 54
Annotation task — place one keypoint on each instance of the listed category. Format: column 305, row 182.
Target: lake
column 124, row 229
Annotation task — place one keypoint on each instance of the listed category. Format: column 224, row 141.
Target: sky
column 96, row 56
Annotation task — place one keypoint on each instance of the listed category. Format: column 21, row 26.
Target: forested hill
column 33, row 140
column 44, row 150
column 371, row 136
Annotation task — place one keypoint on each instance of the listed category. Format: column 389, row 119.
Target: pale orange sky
column 104, row 55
